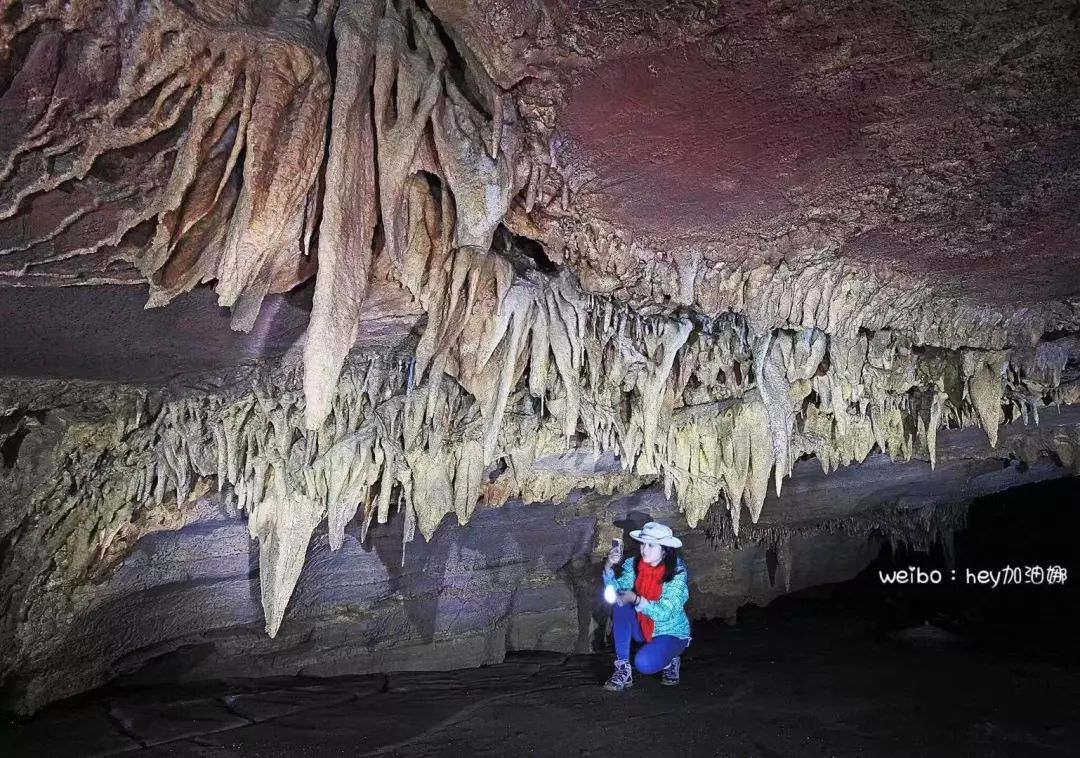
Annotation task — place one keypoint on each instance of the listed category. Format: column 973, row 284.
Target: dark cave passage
column 1007, row 584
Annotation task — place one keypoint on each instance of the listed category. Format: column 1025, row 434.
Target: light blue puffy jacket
column 668, row 612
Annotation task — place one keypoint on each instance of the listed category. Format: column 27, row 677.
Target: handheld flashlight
column 610, row 595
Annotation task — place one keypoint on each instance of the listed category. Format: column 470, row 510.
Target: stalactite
column 348, row 215
column 985, row 390
column 407, row 87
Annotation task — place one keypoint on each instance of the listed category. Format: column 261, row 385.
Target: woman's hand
column 627, row 597
column 614, row 557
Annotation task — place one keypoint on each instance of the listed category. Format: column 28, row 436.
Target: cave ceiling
column 706, row 239
column 935, row 141
column 910, row 145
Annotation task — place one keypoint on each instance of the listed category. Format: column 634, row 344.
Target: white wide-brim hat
column 654, row 533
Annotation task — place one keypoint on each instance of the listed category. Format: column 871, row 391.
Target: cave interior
column 339, row 339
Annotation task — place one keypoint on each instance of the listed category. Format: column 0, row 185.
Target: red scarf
column 649, row 583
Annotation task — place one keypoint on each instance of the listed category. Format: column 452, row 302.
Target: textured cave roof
column 710, row 238
column 941, row 141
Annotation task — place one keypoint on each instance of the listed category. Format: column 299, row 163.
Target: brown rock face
column 698, row 242
column 936, row 142
column 181, row 140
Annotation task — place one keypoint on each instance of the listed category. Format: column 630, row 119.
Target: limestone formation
column 430, row 447
column 452, row 166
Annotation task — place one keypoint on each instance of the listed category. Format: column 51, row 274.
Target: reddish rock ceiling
column 938, row 141
column 941, row 141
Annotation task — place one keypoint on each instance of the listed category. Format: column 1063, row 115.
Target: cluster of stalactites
column 795, row 280
column 429, row 130
column 527, row 367
column 733, row 406
column 152, row 134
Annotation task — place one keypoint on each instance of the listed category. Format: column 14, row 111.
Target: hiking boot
column 670, row 675
column 622, row 679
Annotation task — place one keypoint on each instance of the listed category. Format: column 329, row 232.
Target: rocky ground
column 802, row 678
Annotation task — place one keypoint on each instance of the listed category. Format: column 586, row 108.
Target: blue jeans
column 653, row 656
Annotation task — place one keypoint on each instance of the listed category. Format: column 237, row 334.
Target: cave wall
column 489, row 310
column 183, row 603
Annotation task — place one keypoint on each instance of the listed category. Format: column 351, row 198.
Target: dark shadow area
column 104, row 333
column 1007, row 584
column 9, row 450
column 523, row 252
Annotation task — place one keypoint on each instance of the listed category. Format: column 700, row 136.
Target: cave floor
column 798, row 683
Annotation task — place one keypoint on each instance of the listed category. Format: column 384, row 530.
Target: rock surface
column 807, row 682
column 183, row 604
column 934, row 142
column 698, row 244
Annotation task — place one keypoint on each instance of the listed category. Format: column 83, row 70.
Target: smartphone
column 616, row 549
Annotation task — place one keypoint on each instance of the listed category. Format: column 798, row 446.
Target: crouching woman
column 652, row 591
